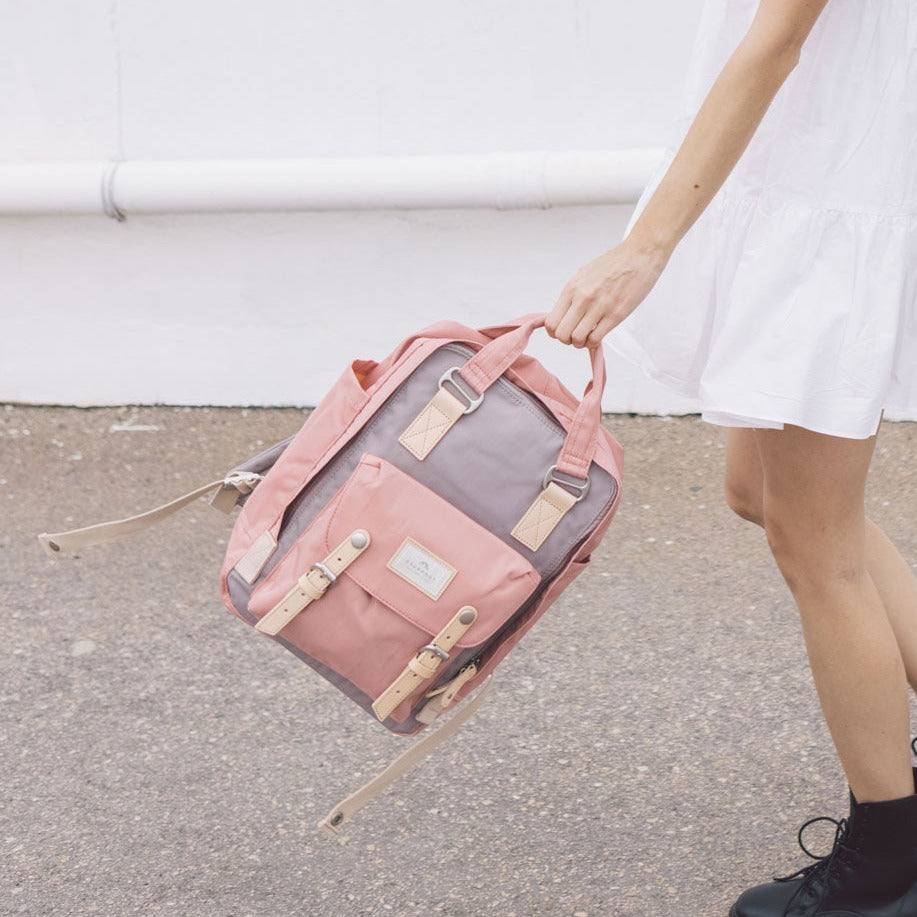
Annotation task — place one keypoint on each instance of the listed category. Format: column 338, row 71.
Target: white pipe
column 502, row 181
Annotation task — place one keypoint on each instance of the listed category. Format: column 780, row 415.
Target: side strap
column 243, row 482
column 403, row 764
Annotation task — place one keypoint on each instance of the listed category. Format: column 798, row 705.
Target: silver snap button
column 359, row 539
column 467, row 617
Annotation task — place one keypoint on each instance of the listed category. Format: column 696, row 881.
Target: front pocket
column 426, row 560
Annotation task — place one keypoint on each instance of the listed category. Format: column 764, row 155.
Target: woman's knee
column 745, row 499
column 744, row 482
column 813, row 554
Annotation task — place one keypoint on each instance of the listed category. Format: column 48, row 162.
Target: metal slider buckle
column 474, row 401
column 579, row 487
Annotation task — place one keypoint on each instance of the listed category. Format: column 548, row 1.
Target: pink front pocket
column 425, row 560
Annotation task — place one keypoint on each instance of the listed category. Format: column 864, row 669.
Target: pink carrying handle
column 493, row 359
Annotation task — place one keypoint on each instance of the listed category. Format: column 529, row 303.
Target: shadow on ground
column 652, row 747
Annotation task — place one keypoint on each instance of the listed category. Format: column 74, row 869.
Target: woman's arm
column 604, row 292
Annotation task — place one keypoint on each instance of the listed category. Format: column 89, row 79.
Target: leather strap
column 239, row 482
column 432, row 423
column 403, row 764
column 425, row 664
column 539, row 520
column 313, row 583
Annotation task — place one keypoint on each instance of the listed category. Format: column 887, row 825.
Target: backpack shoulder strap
column 229, row 489
column 403, row 764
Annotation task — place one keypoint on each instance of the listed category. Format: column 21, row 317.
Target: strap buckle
column 579, row 486
column 436, row 650
column 324, row 570
column 474, row 401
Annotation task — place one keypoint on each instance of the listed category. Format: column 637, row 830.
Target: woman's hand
column 602, row 293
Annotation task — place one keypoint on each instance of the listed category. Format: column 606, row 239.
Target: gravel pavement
column 651, row 749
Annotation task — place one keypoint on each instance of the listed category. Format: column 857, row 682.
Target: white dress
column 793, row 299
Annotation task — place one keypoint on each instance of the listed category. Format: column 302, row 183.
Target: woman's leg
column 890, row 572
column 744, row 475
column 815, row 524
column 897, row 587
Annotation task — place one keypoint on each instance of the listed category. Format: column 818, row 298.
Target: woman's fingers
column 603, row 293
column 560, row 309
column 585, row 326
column 570, row 319
column 600, row 330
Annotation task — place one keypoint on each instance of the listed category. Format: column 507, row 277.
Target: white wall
column 266, row 308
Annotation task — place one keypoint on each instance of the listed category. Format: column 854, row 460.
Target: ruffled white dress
column 793, row 299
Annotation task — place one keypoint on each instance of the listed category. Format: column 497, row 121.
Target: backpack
column 429, row 511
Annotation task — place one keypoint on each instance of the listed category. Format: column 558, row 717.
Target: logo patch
column 421, row 568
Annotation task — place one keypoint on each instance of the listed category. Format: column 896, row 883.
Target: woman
column 789, row 308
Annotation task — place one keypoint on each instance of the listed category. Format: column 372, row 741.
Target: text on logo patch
column 421, row 568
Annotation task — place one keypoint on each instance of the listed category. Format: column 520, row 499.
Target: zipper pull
column 446, row 692
column 444, row 695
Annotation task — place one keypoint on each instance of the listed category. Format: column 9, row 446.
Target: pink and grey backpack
column 429, row 511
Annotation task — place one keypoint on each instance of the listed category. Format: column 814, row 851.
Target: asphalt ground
column 652, row 746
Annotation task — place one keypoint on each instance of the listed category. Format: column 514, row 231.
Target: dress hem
column 638, row 357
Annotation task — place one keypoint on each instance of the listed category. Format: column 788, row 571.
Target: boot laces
column 822, row 863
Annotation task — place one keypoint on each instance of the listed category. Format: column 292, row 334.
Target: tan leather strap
column 432, row 423
column 424, row 665
column 404, row 763
column 443, row 696
column 539, row 520
column 313, row 583
column 241, row 482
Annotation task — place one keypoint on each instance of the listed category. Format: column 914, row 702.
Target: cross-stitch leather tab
column 432, row 423
column 539, row 520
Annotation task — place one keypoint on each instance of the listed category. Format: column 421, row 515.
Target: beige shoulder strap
column 403, row 764
column 239, row 483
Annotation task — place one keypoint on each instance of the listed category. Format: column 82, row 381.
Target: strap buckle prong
column 324, row 570
column 436, row 650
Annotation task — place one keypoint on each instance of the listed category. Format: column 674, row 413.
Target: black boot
column 870, row 872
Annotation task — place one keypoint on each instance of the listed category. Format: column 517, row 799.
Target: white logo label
column 421, row 568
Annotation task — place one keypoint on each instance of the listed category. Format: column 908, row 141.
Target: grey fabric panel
column 264, row 460
column 491, row 463
column 240, row 592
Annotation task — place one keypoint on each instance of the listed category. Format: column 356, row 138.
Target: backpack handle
column 510, row 342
